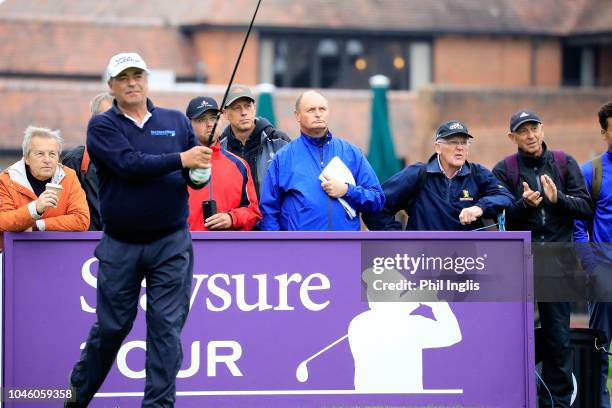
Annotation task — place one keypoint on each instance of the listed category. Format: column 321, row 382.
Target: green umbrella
column 265, row 102
column 382, row 154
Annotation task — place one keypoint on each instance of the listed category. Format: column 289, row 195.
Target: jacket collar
column 256, row 138
column 532, row 161
column 17, row 174
column 317, row 141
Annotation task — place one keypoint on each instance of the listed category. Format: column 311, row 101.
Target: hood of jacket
column 17, row 174
column 255, row 138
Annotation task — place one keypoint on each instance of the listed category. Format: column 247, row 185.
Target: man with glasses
column 231, row 186
column 28, row 202
column 445, row 194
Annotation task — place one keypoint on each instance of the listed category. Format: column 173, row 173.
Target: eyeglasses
column 455, row 143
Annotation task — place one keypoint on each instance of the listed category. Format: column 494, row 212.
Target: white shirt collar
column 147, row 116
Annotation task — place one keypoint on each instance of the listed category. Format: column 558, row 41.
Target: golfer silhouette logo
column 387, row 341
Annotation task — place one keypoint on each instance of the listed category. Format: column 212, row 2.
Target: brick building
column 474, row 60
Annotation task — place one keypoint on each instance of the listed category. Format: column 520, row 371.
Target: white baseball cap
column 122, row 61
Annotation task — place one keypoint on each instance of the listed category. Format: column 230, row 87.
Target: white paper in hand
column 336, row 169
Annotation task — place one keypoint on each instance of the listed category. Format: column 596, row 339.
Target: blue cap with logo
column 451, row 128
column 200, row 105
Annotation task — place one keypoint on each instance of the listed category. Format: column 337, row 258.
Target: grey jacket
column 259, row 149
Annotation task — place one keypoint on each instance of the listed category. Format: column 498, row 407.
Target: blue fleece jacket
column 601, row 223
column 292, row 198
column 143, row 187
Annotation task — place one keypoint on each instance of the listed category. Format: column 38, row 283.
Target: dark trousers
column 556, row 354
column 600, row 318
column 167, row 266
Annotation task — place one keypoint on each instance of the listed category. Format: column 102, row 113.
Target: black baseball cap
column 451, row 128
column 523, row 116
column 200, row 105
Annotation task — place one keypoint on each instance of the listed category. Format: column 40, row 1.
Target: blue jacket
column 602, row 220
column 292, row 198
column 143, row 186
column 437, row 205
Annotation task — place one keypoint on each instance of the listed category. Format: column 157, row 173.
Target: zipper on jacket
column 329, row 201
column 541, row 190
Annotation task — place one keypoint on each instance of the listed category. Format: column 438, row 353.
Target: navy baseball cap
column 451, row 128
column 523, row 116
column 200, row 105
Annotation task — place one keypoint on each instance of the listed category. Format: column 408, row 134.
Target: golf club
column 246, row 38
column 301, row 373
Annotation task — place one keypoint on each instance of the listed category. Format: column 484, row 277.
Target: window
column 345, row 62
column 581, row 65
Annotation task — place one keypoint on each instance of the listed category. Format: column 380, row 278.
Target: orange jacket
column 18, row 214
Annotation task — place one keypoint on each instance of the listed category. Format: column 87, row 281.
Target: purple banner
column 280, row 320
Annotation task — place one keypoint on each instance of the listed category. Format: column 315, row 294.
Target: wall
column 503, row 61
column 65, row 106
column 569, row 115
column 219, row 49
column 605, row 65
column 548, row 58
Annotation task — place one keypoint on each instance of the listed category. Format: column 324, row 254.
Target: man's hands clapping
column 534, row 198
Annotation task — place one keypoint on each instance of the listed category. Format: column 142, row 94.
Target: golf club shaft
column 323, row 350
column 246, row 38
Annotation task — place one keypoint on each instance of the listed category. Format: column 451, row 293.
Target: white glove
column 199, row 176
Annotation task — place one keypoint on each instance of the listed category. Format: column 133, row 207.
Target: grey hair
column 32, row 131
column 298, row 101
column 97, row 100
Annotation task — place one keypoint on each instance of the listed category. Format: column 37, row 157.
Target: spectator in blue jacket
column 300, row 193
column 597, row 257
column 445, row 194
